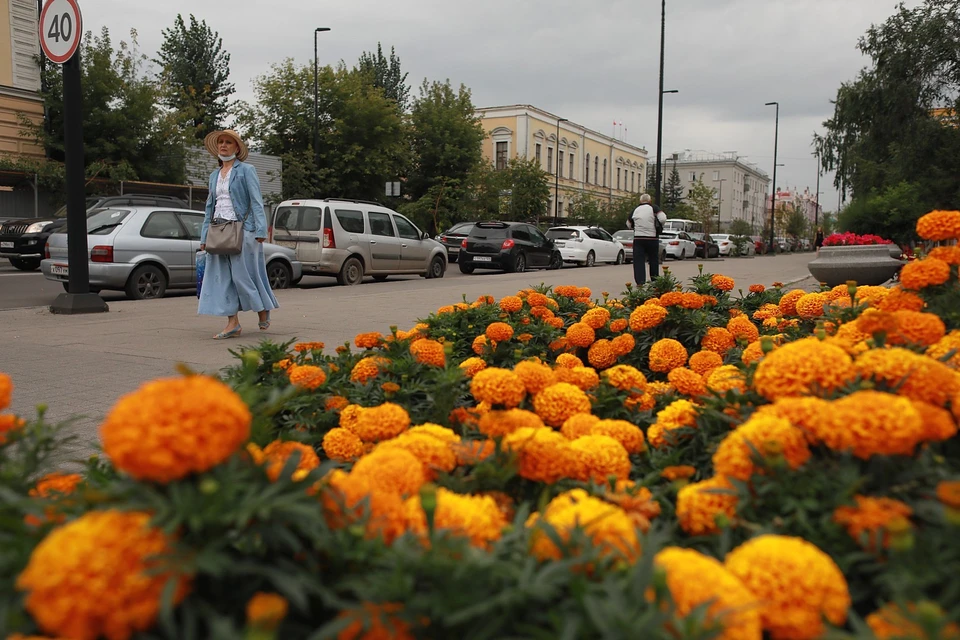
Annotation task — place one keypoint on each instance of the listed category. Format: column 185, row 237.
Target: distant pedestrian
column 646, row 222
column 234, row 283
column 818, row 240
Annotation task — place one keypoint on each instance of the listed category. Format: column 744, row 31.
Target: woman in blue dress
column 235, row 283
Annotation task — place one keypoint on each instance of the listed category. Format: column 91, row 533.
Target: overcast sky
column 591, row 61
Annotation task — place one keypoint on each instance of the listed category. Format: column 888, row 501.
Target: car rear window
column 562, row 234
column 488, row 233
column 104, row 221
column 350, row 220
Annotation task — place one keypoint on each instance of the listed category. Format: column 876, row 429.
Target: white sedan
column 587, row 245
column 678, row 244
column 727, row 242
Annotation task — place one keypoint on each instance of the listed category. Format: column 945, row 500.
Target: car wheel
column 620, row 258
column 351, row 272
column 520, row 264
column 466, row 268
column 663, row 256
column 683, row 254
column 278, row 275
column 380, row 278
column 556, row 261
column 26, row 264
column 591, row 260
column 437, row 268
column 146, row 283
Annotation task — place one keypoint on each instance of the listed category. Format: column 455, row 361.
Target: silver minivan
column 350, row 239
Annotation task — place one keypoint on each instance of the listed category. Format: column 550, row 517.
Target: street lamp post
column 719, row 201
column 316, row 98
column 556, row 186
column 816, row 212
column 773, row 196
column 663, row 32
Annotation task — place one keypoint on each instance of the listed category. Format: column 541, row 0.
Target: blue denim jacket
column 246, row 197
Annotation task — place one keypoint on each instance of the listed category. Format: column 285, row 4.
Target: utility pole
column 773, row 196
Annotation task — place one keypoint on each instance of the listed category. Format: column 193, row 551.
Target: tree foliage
column 701, row 199
column 672, row 191
column 195, row 75
column 528, row 187
column 385, row 74
column 796, row 223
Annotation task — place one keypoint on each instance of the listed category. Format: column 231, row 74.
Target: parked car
column 146, row 250
column 678, row 244
column 350, row 239
column 759, row 245
column 727, row 243
column 625, row 236
column 22, row 240
column 507, row 246
column 586, row 245
column 706, row 245
column 453, row 237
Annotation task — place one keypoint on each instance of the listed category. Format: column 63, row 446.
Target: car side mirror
column 424, row 235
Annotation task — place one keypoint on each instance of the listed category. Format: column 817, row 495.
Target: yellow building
column 19, row 75
column 588, row 161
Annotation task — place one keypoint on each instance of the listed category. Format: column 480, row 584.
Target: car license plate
column 6, row 245
column 59, row 270
column 482, row 259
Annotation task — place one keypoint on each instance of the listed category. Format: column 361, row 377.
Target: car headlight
column 37, row 227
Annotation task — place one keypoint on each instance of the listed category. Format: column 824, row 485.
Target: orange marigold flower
column 559, row 401
column 535, row 375
column 568, row 361
column 608, row 526
column 918, row 328
column 543, row 455
column 390, row 387
column 434, row 454
column 788, row 303
column 302, row 347
column 596, row 318
column 681, row 472
column 342, row 445
column 811, row 305
column 801, row 368
column 498, row 387
column 757, row 288
column 626, row 433
column 723, row 283
column 349, row 415
column 282, row 365
column 306, row 376
column 696, row 580
column 676, row 415
column 870, row 519
column 701, row 504
column 584, row 292
column 948, row 493
column 658, row 388
column 525, row 337
column 6, row 390
column 349, row 498
column 393, row 469
column 566, row 291
column 370, row 340
column 580, row 334
column 499, row 331
column 646, row 316
column 915, row 376
column 690, row 300
column 478, row 518
column 950, row 254
column 949, row 343
column 368, row 368
column 471, row 452
column 939, row 225
column 541, row 312
column 53, row 487
column 266, row 610
column 635, row 500
column 753, row 353
column 773, row 438
column 618, row 325
column 579, row 424
column 374, row 424
column 861, row 422
column 375, row 622
column 671, row 299
column 480, row 344
column 667, row 354
column 170, row 428
column 511, row 304
column 643, row 402
column 899, row 299
column 429, row 352
column 499, row 423
column 802, row 412
column 275, row 455
column 850, row 338
column 891, row 622
column 99, row 576
column 536, row 299
column 921, row 274
column 471, row 366
column 767, row 311
column 938, row 423
column 599, row 457
column 796, row 583
column 726, row 378
column 626, row 378
column 623, row 344
column 584, row 378
column 687, row 382
column 601, row 354
column 742, row 327
column 873, row 321
column 705, row 361
column 718, row 340
column 556, row 323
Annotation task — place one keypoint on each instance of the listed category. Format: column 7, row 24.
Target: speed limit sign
column 60, row 29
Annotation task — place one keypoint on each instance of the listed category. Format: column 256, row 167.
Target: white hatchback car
column 678, row 244
column 587, row 245
column 726, row 242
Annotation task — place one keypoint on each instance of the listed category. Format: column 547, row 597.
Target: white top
column 224, row 206
column 642, row 218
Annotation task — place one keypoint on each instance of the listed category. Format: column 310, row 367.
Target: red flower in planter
column 848, row 239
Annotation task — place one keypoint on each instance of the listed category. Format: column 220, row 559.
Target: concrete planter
column 869, row 264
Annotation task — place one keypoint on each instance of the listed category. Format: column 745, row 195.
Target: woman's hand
column 260, row 240
column 203, row 247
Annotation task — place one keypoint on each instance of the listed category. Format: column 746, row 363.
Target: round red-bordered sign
column 61, row 29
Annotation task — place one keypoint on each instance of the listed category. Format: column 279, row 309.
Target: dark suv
column 507, row 246
column 22, row 240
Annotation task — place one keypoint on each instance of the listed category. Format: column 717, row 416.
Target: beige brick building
column 19, row 75
column 589, row 162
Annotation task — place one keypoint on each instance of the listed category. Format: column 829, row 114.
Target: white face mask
column 227, row 158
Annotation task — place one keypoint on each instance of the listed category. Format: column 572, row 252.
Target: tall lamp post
column 316, row 98
column 773, row 196
column 816, row 212
column 556, row 186
column 719, row 201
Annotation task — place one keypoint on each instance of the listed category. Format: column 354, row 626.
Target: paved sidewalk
column 80, row 365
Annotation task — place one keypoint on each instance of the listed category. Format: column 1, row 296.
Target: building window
column 587, row 172
column 633, row 178
column 501, row 155
column 572, row 172
column 604, row 172
column 550, row 168
column 693, row 176
column 716, row 176
column 618, row 178
column 560, row 162
column 596, row 170
column 537, row 156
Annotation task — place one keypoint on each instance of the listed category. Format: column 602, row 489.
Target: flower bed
column 667, row 463
column 847, row 239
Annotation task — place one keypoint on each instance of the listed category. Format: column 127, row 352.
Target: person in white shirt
column 646, row 242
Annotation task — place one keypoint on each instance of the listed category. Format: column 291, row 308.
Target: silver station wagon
column 350, row 239
column 147, row 250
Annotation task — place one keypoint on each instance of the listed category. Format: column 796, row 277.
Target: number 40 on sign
column 61, row 28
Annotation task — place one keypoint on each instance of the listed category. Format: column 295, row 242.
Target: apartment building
column 579, row 160
column 741, row 186
column 794, row 199
column 19, row 75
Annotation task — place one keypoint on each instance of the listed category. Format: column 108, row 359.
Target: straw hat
column 210, row 142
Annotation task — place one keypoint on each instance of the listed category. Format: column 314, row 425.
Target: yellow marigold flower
column 918, row 328
column 742, row 327
column 596, row 318
column 801, row 368
column 393, row 469
column 170, row 428
column 580, row 335
column 383, row 422
column 687, row 382
column 471, row 366
column 543, row 454
column 658, row 388
column 437, row 431
column 667, row 354
column 696, row 580
column 6, row 390
column 276, row 454
column 601, row 354
column 939, row 225
column 676, row 415
column 478, row 518
column 266, row 610
column 767, row 311
column 680, row 472
column 774, row 438
column 471, row 452
column 753, row 353
column 499, row 423
column 342, row 445
column 915, row 376
column 850, row 338
column 579, row 424
column 623, row 344
column 757, row 288
column 498, row 387
column 375, row 622
column 723, row 283
column 626, row 433
column 704, row 361
column 626, row 378
column 99, row 575
column 701, row 504
column 302, row 347
column 536, row 376
column 646, row 316
column 950, row 254
column 510, row 304
column 718, row 340
column 948, row 492
column 726, row 378
column 607, row 525
column 796, row 583
column 862, row 422
column 434, row 454
column 921, row 274
column 370, row 340
column 811, row 305
column 584, row 378
column 891, row 622
column 600, row 456
column 871, row 516
column 559, row 401
column 499, row 331
column 429, row 352
column 306, row 376
column 947, row 344
column 618, row 325
column 802, row 412
column 788, row 303
column 480, row 344
column 368, row 368
column 349, row 416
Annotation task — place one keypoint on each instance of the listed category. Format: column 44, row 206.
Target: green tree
column 672, row 191
column 125, row 134
column 797, row 224
column 618, row 210
column 586, row 209
column 385, row 73
column 195, row 72
column 891, row 213
column 528, row 187
column 702, row 199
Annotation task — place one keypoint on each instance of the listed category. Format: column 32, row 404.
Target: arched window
column 596, row 170
column 618, row 178
column 587, row 172
column 604, row 172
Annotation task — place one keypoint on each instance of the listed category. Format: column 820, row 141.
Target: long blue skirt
column 237, row 283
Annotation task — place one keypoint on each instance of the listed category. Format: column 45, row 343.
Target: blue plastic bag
column 201, row 266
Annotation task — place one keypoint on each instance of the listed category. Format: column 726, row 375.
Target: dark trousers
column 645, row 250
